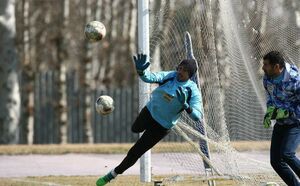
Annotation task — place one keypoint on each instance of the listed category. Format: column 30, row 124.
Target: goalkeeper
column 175, row 94
column 282, row 85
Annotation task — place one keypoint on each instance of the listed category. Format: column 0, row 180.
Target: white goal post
column 144, row 88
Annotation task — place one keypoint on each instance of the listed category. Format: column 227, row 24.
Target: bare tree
column 62, row 57
column 85, row 72
column 113, row 49
column 103, row 51
column 26, row 122
column 132, row 21
column 9, row 75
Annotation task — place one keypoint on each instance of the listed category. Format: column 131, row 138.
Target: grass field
column 105, row 149
column 90, row 181
column 114, row 148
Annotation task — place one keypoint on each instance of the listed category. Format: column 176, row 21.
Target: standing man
column 282, row 85
column 177, row 93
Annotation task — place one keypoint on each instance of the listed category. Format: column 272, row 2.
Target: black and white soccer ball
column 94, row 31
column 104, row 105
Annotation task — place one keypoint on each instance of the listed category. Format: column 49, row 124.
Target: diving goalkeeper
column 176, row 93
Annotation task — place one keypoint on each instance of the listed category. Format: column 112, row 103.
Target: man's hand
column 274, row 114
column 282, row 114
column 182, row 98
column 268, row 116
column 140, row 63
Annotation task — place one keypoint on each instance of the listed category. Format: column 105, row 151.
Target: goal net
column 228, row 39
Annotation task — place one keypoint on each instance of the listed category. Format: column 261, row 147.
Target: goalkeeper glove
column 182, row 98
column 271, row 111
column 140, row 63
column 274, row 113
column 282, row 114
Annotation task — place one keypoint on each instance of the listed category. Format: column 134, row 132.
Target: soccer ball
column 94, row 31
column 104, row 105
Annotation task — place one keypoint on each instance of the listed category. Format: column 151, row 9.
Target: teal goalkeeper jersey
column 164, row 105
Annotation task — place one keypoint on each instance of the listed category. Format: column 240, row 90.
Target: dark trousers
column 153, row 133
column 284, row 143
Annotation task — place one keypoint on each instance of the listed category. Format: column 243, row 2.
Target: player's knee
column 288, row 157
column 275, row 163
column 135, row 129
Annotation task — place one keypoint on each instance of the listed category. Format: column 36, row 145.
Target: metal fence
column 112, row 128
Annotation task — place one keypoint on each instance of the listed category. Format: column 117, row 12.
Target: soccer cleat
column 107, row 178
column 102, row 181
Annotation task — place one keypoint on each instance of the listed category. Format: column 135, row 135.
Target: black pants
column 153, row 133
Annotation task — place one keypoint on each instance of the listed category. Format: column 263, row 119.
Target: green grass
column 115, row 148
column 91, row 180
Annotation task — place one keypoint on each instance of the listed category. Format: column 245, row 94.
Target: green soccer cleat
column 102, row 181
column 107, row 178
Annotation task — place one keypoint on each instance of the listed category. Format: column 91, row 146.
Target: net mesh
column 229, row 39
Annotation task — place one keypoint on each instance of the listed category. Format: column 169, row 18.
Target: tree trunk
column 113, row 50
column 105, row 46
column 26, row 123
column 132, row 27
column 86, row 79
column 9, row 82
column 62, row 55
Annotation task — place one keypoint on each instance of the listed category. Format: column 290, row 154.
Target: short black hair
column 274, row 58
column 190, row 65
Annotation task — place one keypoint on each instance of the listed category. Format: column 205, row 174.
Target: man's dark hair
column 274, row 58
column 190, row 65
